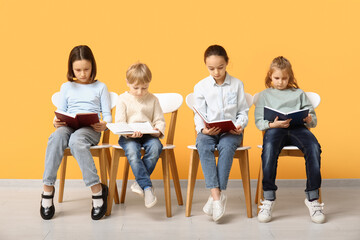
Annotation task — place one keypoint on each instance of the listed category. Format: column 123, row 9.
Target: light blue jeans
column 79, row 142
column 142, row 168
column 217, row 176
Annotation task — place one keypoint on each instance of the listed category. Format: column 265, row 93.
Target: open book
column 297, row 116
column 225, row 125
column 79, row 120
column 129, row 128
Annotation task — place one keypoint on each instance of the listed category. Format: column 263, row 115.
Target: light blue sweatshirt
column 85, row 98
column 286, row 100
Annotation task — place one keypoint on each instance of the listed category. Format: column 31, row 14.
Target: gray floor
column 20, row 219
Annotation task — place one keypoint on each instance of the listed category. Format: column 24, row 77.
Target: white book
column 130, row 128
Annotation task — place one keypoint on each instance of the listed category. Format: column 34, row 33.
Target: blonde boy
column 139, row 105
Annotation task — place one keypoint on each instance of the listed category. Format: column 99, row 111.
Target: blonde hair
column 282, row 64
column 138, row 73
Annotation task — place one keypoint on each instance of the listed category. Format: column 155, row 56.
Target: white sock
column 98, row 202
column 46, row 203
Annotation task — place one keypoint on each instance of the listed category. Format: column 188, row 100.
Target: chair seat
column 193, row 147
column 284, row 148
column 167, row 146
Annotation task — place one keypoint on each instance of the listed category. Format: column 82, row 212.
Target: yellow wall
column 321, row 39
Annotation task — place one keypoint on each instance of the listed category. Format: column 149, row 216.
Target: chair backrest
column 313, row 97
column 170, row 103
column 190, row 100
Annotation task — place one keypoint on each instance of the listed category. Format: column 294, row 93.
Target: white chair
column 241, row 154
column 102, row 150
column 170, row 103
column 290, row 151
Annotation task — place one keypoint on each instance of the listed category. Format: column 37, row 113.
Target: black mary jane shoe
column 48, row 212
column 98, row 212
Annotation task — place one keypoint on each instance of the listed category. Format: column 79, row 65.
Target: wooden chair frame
column 241, row 154
column 167, row 156
column 287, row 151
column 102, row 151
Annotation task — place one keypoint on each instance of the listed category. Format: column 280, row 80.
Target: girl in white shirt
column 218, row 97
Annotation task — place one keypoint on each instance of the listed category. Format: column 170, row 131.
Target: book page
column 141, row 127
column 201, row 115
column 65, row 113
column 125, row 128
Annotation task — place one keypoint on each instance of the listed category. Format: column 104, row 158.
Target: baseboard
column 233, row 183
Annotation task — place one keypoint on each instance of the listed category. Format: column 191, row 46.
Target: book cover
column 297, row 116
column 77, row 121
column 130, row 128
column 225, row 125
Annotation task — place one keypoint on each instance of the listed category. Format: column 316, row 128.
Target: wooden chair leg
column 102, row 164
column 257, row 186
column 260, row 191
column 245, row 175
column 108, row 167
column 62, row 179
column 166, row 177
column 175, row 176
column 125, row 180
column 112, row 181
column 320, row 201
column 193, row 168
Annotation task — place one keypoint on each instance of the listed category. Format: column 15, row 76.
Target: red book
column 225, row 125
column 79, row 120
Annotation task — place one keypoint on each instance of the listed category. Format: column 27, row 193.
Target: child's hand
column 136, row 135
column 156, row 134
column 280, row 124
column 58, row 123
column 308, row 119
column 211, row 131
column 237, row 131
column 99, row 127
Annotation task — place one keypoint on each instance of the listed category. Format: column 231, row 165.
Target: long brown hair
column 282, row 64
column 81, row 52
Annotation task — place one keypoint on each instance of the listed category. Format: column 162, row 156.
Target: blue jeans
column 79, row 141
column 274, row 140
column 217, row 176
column 142, row 168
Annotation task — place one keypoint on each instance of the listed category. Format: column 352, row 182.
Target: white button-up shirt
column 220, row 102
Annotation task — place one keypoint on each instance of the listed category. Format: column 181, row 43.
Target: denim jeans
column 79, row 142
column 274, row 140
column 142, row 168
column 217, row 176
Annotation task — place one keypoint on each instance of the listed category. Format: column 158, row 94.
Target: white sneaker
column 150, row 198
column 315, row 209
column 135, row 187
column 208, row 208
column 265, row 212
column 219, row 207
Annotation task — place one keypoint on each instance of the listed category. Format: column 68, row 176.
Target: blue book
column 297, row 116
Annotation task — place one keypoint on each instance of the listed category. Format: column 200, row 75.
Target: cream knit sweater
column 131, row 109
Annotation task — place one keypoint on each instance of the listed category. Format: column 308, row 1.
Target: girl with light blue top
column 219, row 97
column 81, row 94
